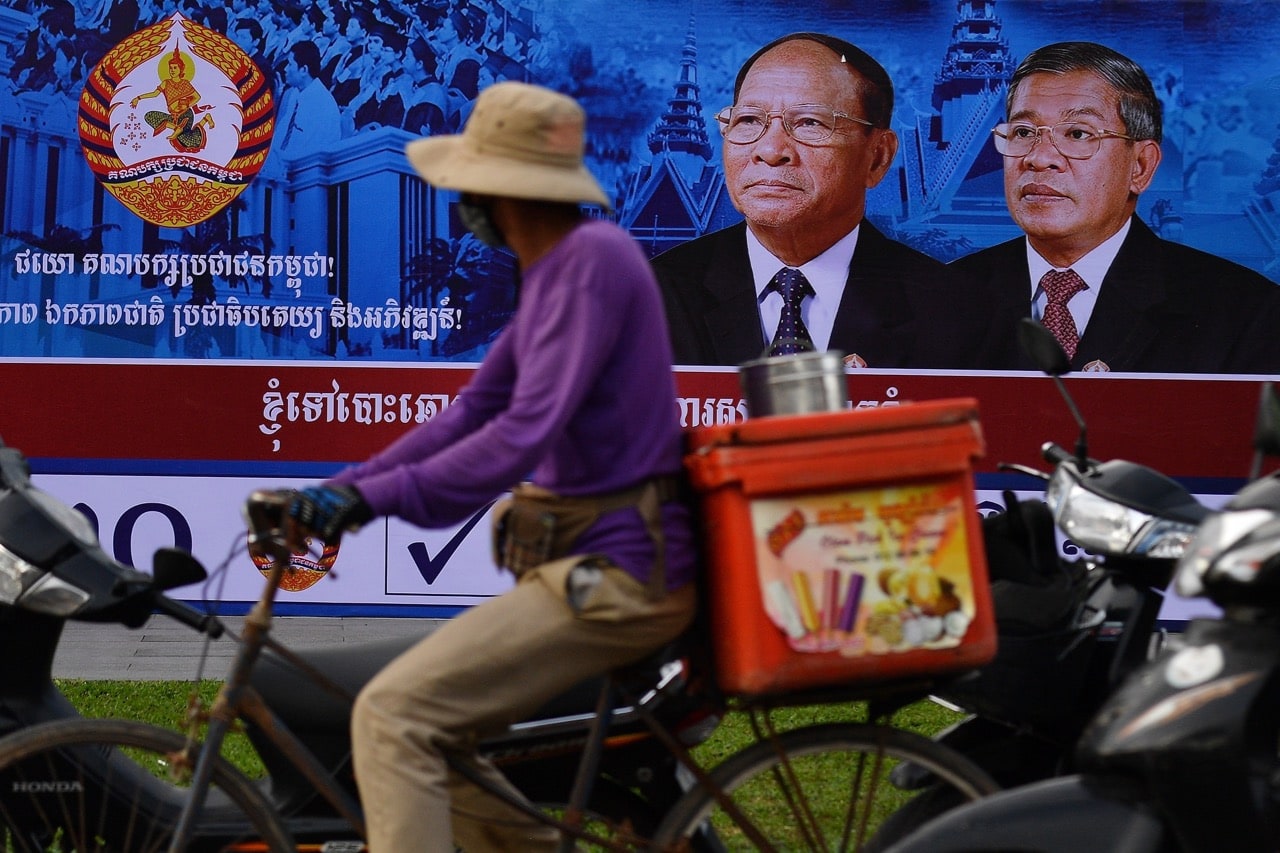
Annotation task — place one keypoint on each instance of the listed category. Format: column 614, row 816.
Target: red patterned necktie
column 791, row 336
column 1059, row 287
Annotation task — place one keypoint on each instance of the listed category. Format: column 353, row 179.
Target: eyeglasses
column 1074, row 140
column 808, row 123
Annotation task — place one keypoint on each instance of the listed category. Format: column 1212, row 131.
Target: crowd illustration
column 417, row 66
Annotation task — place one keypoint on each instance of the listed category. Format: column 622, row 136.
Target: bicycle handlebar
column 264, row 513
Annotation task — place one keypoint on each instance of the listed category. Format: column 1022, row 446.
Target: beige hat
column 521, row 141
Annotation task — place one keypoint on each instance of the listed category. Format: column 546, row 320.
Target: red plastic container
column 844, row 547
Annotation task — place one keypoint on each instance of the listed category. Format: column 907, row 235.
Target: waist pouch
column 536, row 525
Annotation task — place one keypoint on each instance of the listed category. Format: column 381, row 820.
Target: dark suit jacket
column 900, row 308
column 1164, row 308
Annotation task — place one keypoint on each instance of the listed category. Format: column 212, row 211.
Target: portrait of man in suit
column 1081, row 143
column 807, row 136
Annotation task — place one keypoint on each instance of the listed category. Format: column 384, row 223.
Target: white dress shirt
column 828, row 273
column 1092, row 268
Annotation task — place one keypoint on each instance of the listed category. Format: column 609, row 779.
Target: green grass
column 735, row 732
column 164, row 703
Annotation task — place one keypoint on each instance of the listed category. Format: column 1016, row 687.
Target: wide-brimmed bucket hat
column 521, row 141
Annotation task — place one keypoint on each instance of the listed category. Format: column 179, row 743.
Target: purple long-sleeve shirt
column 576, row 394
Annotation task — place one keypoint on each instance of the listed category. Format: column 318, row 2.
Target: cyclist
column 577, row 389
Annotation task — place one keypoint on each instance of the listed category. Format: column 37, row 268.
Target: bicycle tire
column 829, row 793
column 107, row 786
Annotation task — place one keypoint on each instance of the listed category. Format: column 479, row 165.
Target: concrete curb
column 164, row 650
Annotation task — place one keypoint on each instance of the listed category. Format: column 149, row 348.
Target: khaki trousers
column 486, row 668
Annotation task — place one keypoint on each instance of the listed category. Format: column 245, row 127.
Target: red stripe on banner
column 343, row 413
column 1181, row 427
column 278, row 413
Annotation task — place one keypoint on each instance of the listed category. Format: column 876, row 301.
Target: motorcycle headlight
column 54, row 596
column 1107, row 527
column 25, row 585
column 16, row 574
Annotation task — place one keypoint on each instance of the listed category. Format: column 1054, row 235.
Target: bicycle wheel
column 823, row 787
column 114, row 786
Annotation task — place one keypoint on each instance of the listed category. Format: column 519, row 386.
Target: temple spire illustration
column 682, row 127
column 680, row 193
column 951, row 173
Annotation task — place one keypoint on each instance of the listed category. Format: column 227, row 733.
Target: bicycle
column 126, row 786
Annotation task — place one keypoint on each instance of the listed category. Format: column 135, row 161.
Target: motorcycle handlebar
column 188, row 615
column 1054, row 453
column 1022, row 469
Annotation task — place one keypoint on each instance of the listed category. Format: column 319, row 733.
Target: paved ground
column 165, row 650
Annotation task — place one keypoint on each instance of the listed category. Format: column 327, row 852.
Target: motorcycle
column 52, row 569
column 1070, row 631
column 1183, row 756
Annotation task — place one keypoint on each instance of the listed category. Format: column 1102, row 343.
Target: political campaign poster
column 219, row 272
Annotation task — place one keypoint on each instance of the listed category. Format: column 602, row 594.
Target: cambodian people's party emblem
column 304, row 570
column 175, row 121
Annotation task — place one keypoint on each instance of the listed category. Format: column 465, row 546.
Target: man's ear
column 884, row 148
column 1146, row 159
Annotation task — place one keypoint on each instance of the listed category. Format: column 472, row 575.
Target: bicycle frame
column 616, row 702
column 237, row 699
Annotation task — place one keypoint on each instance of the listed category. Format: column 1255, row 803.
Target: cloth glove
column 329, row 511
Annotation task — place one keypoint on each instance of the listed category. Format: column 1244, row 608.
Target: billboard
column 218, row 271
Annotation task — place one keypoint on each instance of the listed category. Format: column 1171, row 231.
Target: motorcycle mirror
column 1043, row 348
column 1048, row 355
column 1266, row 431
column 173, row 567
column 14, row 469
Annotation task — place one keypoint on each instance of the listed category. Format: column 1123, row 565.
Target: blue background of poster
column 651, row 74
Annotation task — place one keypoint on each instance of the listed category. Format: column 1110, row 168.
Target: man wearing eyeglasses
column 1081, row 144
column 807, row 135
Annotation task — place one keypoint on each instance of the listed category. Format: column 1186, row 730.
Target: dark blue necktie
column 791, row 336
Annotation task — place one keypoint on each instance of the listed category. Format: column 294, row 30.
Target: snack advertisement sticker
column 866, row 571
